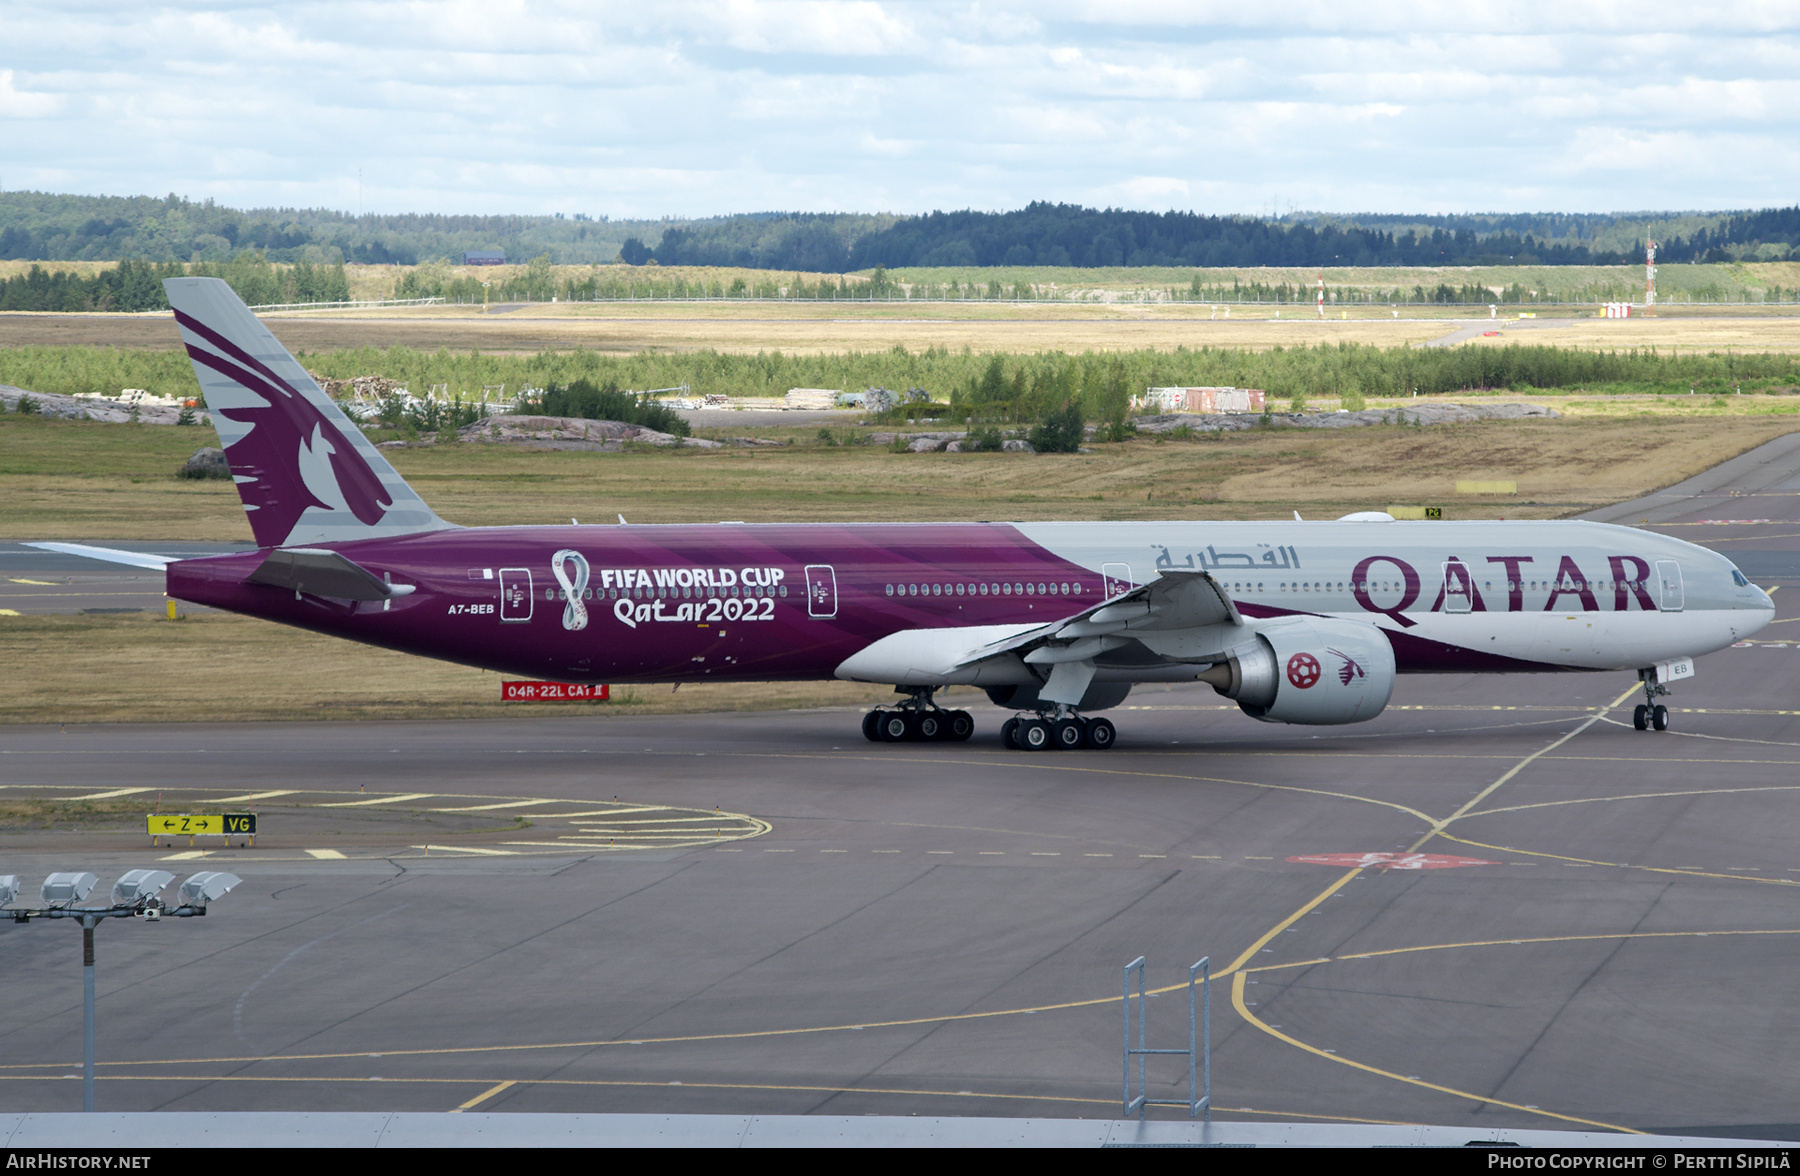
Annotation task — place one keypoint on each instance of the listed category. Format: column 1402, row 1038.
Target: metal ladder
column 1198, row 1051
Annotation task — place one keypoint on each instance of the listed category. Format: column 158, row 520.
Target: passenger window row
column 964, row 589
column 665, row 593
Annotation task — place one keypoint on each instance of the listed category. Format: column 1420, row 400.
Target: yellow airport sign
column 185, row 825
column 202, row 825
column 1487, row 487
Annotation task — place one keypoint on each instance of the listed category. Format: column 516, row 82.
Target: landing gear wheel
column 931, row 726
column 1101, row 734
column 896, row 726
column 1009, row 735
column 1640, row 718
column 1034, row 735
column 962, row 725
column 1659, row 718
column 1067, row 734
column 871, row 726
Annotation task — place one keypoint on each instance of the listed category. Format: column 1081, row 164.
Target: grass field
column 76, row 480
column 833, row 328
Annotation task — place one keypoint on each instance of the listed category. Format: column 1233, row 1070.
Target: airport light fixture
column 134, row 896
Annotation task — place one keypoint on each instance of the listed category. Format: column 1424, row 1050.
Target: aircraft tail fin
column 305, row 472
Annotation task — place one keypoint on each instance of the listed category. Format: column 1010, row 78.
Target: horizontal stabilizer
column 131, row 559
column 324, row 573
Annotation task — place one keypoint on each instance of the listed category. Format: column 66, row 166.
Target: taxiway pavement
column 33, row 581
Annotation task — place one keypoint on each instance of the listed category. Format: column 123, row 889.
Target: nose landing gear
column 917, row 719
column 1650, row 714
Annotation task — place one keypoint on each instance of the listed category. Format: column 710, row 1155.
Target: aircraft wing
column 1181, row 616
column 1175, row 602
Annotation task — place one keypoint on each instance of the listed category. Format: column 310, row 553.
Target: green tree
column 992, row 387
column 1061, row 431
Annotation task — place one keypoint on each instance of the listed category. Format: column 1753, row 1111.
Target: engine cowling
column 1315, row 672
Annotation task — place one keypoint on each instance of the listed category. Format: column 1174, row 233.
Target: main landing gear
column 1649, row 713
column 1057, row 731
column 917, row 719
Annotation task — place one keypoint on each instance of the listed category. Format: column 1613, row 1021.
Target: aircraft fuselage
column 783, row 601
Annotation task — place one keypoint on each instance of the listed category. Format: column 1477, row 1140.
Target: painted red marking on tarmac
column 1392, row 861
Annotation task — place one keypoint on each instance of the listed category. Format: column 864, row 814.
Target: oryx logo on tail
column 304, row 472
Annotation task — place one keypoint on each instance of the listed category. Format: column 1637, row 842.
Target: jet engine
column 1315, row 672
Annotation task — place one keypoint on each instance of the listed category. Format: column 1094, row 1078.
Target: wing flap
column 1177, row 603
column 323, row 573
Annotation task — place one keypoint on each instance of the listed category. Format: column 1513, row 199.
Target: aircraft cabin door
column 1669, row 596
column 821, row 591
column 1117, row 577
column 1459, row 590
column 515, row 594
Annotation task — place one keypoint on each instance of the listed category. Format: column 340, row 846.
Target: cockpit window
column 1737, row 578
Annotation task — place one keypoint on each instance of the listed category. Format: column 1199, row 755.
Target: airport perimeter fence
column 348, row 305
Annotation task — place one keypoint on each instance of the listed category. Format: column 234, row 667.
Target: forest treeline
column 48, row 226
column 41, row 226
column 998, row 386
column 137, row 285
column 537, row 281
column 1044, row 234
column 1064, row 234
column 813, row 242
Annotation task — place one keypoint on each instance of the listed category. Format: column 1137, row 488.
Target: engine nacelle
column 1316, row 672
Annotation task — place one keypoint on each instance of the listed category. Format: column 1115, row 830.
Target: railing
column 1122, row 297
column 1198, row 1051
column 347, row 305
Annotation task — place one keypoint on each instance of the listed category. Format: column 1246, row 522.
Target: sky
column 686, row 109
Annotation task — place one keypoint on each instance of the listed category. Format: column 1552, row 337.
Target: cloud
column 16, row 103
column 714, row 106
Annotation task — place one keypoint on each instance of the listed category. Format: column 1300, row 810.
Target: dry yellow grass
column 1668, row 333
column 822, row 328
column 1602, row 453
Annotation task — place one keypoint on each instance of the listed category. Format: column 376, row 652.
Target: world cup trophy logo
column 575, row 615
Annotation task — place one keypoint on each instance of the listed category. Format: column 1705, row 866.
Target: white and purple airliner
column 1298, row 622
